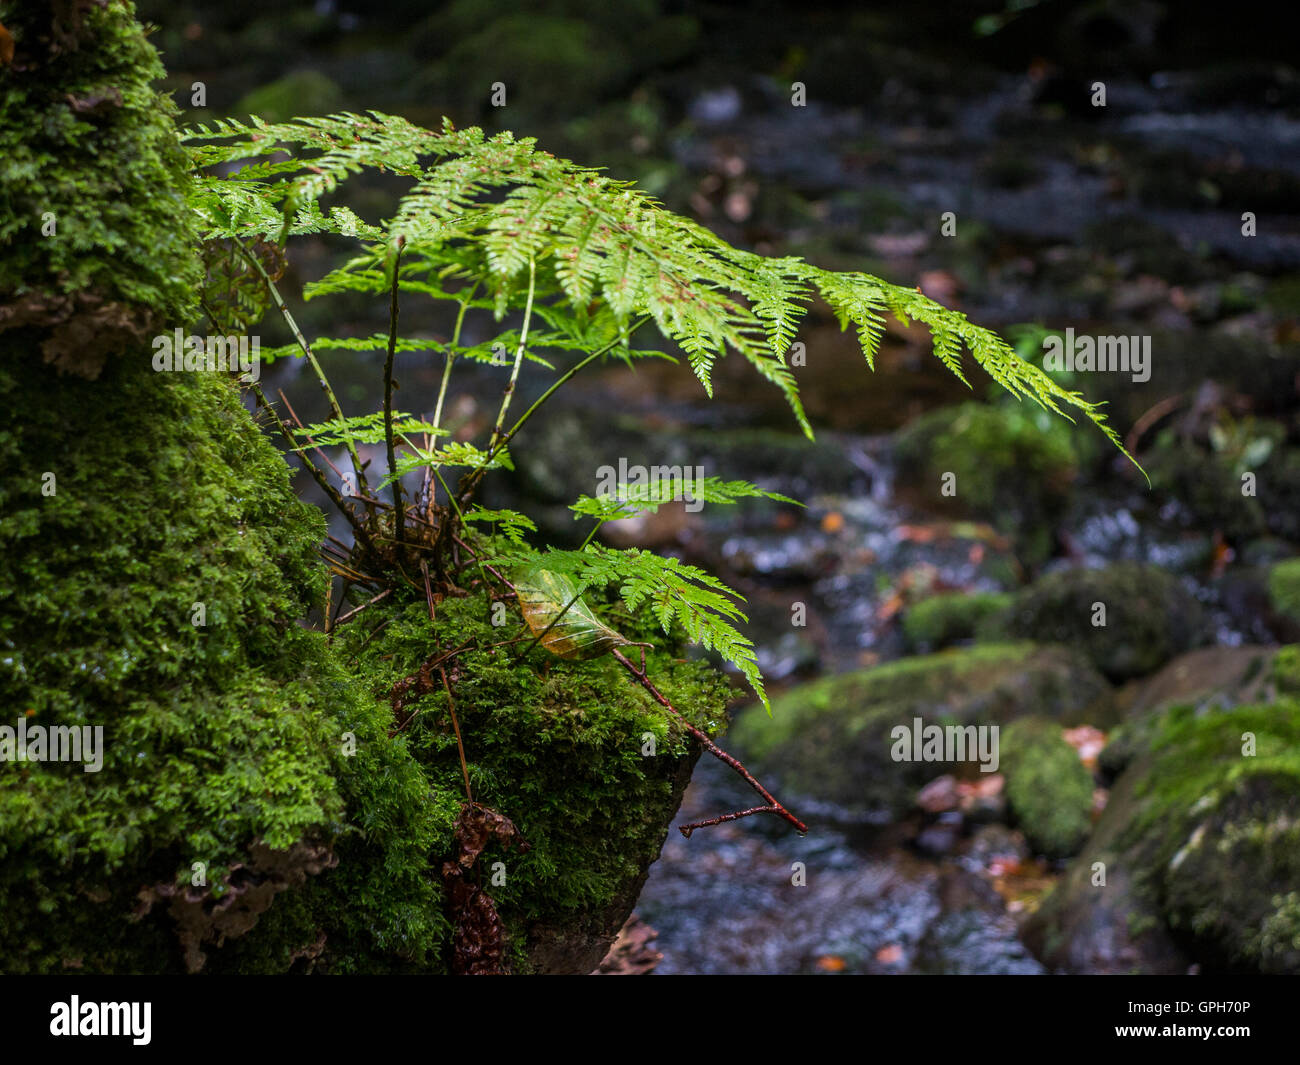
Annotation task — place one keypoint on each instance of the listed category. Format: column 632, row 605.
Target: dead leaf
column 478, row 945
column 572, row 633
column 631, row 954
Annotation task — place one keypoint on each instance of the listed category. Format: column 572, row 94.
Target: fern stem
column 568, row 374
column 472, row 479
column 591, row 535
column 362, row 487
column 519, row 354
column 399, row 506
column 442, row 392
column 318, row 475
column 451, row 356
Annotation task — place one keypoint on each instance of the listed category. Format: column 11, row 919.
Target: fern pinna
column 497, row 227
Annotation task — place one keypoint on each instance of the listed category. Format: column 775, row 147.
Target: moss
column 1208, row 811
column 1284, row 588
column 1012, row 468
column 215, row 735
column 1149, row 616
column 1190, row 812
column 1048, row 789
column 831, row 738
column 1286, row 670
column 945, row 619
column 90, row 144
column 557, row 747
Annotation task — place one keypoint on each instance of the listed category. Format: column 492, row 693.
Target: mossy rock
column 151, row 587
column 100, row 249
column 1284, row 589
column 302, row 92
column 1049, row 791
column 1183, row 823
column 252, row 812
column 559, row 748
column 1149, row 616
column 1013, row 468
column 831, row 739
column 948, row 618
column 1286, row 670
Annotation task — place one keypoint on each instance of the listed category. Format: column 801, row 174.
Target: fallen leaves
column 631, row 953
column 479, row 942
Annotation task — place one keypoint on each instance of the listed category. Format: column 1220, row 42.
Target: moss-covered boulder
column 1286, row 670
column 233, row 792
column 951, row 617
column 1128, row 618
column 1196, row 857
column 99, row 247
column 1284, row 595
column 1049, row 792
column 834, row 739
column 1012, row 466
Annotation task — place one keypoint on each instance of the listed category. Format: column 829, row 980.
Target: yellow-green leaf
column 578, row 634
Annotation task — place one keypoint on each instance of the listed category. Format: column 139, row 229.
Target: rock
column 1049, row 792
column 990, row 842
column 1189, row 816
column 1148, row 616
column 942, row 837
column 1210, row 677
column 1223, row 675
column 939, row 795
column 831, row 739
column 972, row 932
column 1013, row 468
column 950, row 617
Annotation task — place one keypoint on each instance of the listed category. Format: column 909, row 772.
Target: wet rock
column 1216, row 792
column 1148, row 616
column 991, row 842
column 972, row 933
column 942, row 837
column 950, row 617
column 834, row 739
column 1049, row 791
column 940, row 795
column 1012, row 468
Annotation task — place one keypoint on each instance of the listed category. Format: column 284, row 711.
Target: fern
column 600, row 239
column 494, row 226
column 676, row 593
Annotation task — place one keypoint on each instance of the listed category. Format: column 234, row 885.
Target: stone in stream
column 1210, row 793
column 1128, row 619
column 834, row 740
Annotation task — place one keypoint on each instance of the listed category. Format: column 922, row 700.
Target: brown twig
column 772, row 807
column 460, row 744
column 357, row 610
